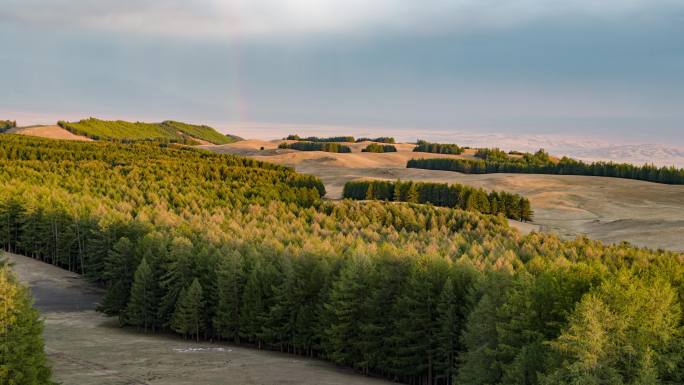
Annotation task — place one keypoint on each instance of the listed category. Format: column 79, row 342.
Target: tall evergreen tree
column 231, row 281
column 22, row 354
column 142, row 305
column 188, row 318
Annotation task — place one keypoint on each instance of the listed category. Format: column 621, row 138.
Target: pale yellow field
column 50, row 132
column 608, row 209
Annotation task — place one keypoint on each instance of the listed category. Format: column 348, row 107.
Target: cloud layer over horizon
column 611, row 67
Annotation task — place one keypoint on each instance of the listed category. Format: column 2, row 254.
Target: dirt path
column 86, row 347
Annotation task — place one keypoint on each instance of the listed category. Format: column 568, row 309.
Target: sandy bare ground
column 607, row 209
column 50, row 132
column 86, row 347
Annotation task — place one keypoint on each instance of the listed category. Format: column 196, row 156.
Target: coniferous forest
column 220, row 247
column 316, row 146
column 513, row 206
column 497, row 161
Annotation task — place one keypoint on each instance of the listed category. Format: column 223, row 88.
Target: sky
column 610, row 69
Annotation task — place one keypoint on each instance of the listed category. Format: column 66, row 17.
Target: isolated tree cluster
column 374, row 147
column 438, row 148
column 316, row 146
column 512, row 206
column 220, row 247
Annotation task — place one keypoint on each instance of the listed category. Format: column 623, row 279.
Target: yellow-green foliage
column 22, row 355
column 167, row 131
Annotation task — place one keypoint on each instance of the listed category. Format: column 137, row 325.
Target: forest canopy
column 214, row 246
column 166, row 131
column 497, row 161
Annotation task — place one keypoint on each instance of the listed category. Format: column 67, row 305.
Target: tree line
column 220, row 247
column 382, row 139
column 332, row 139
column 22, row 350
column 540, row 163
column 316, row 146
column 438, row 148
column 374, row 147
column 340, row 139
column 510, row 205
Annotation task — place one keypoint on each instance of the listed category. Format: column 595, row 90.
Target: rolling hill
column 166, row 131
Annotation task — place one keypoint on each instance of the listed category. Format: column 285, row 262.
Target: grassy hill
column 166, row 131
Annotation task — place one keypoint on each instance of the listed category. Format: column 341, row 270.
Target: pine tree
column 22, row 354
column 345, row 311
column 141, row 310
column 188, row 318
column 177, row 275
column 118, row 273
column 231, row 281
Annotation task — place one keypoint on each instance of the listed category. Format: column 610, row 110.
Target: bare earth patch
column 50, row 132
column 607, row 209
column 86, row 347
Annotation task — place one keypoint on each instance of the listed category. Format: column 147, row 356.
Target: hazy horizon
column 596, row 71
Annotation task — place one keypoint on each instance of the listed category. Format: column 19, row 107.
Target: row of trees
column 22, row 353
column 565, row 166
column 438, row 148
column 220, row 247
column 340, row 139
column 166, row 131
column 374, row 147
column 316, row 146
column 382, row 139
column 332, row 139
column 512, row 206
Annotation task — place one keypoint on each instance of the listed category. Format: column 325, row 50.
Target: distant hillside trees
column 339, row 139
column 374, row 147
column 512, row 206
column 438, row 148
column 382, row 139
column 316, row 146
column 496, row 161
column 22, row 351
column 167, row 131
column 7, row 124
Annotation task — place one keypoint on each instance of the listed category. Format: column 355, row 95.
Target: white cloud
column 244, row 18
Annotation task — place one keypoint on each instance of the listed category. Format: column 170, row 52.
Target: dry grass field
column 51, row 132
column 608, row 209
column 88, row 348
